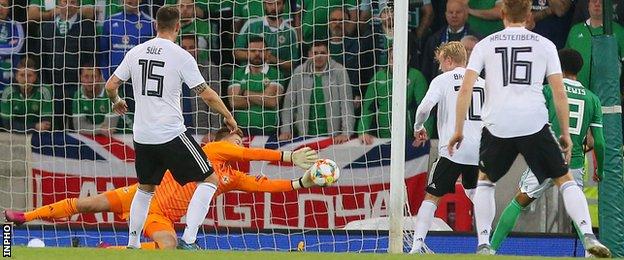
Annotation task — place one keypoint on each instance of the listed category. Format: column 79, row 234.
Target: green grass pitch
column 110, row 254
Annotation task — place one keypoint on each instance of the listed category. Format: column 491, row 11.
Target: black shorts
column 540, row 151
column 182, row 156
column 444, row 175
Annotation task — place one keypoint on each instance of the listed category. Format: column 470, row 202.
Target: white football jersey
column 158, row 68
column 443, row 91
column 516, row 61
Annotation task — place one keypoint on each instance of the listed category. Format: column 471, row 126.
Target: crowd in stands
column 285, row 67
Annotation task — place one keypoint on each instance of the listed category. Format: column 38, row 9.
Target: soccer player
column 172, row 199
column 515, row 119
column 445, row 171
column 585, row 112
column 158, row 68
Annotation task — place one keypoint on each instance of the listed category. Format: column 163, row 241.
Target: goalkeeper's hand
column 303, row 158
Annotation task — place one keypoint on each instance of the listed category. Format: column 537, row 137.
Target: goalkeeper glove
column 304, row 181
column 303, row 158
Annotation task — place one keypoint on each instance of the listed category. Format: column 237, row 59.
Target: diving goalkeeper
column 172, row 199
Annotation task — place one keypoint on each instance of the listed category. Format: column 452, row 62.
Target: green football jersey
column 95, row 109
column 585, row 112
column 256, row 116
column 15, row 105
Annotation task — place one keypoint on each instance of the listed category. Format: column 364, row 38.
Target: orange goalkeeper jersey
column 173, row 198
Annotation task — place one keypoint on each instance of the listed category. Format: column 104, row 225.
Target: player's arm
column 112, row 87
column 431, row 98
column 562, row 108
column 269, row 98
column 303, row 157
column 213, row 100
column 493, row 13
column 461, row 109
column 599, row 150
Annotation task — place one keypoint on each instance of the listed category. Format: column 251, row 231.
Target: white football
column 324, row 172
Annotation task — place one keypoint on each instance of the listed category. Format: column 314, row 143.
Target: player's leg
column 160, row 229
column 529, row 189
column 496, row 155
column 149, row 168
column 63, row 209
column 444, row 174
column 189, row 163
column 543, row 155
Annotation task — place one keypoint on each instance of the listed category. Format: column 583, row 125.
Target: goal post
column 397, row 159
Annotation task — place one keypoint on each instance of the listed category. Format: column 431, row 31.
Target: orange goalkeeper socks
column 145, row 245
column 57, row 210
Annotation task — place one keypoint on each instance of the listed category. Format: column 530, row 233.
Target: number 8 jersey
column 158, row 68
column 516, row 61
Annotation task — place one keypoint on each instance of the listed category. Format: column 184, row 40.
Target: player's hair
column 571, row 61
column 167, row 17
column 454, row 50
column 189, row 36
column 516, row 11
column 89, row 65
column 224, row 132
column 28, row 62
column 470, row 37
column 318, row 43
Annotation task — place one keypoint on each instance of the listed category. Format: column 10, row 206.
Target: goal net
column 323, row 81
column 295, row 73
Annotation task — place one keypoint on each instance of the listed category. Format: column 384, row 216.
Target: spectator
column 377, row 104
column 420, row 14
column 552, row 20
column 279, row 36
column 68, row 41
column 318, row 100
column 46, row 10
column 253, row 9
column 206, row 121
column 11, row 43
column 485, row 16
column 191, row 25
column 354, row 52
column 581, row 34
column 91, row 109
column 315, row 18
column 456, row 16
column 469, row 41
column 121, row 32
column 26, row 105
column 383, row 38
column 254, row 92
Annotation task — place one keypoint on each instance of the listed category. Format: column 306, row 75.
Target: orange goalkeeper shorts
column 120, row 200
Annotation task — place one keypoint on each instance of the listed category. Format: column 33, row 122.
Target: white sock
column 485, row 210
column 197, row 210
column 138, row 213
column 576, row 206
column 470, row 194
column 423, row 222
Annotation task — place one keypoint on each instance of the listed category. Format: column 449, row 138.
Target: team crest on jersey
column 281, row 39
column 35, row 107
column 102, row 108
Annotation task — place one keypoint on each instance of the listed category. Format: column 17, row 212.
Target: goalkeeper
column 173, row 199
column 585, row 115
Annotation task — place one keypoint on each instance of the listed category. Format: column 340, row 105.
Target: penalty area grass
column 67, row 253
